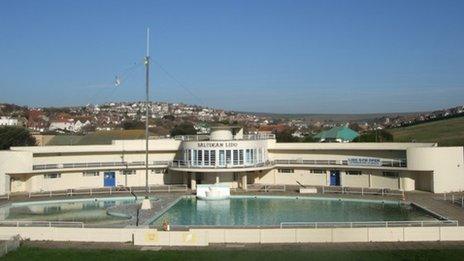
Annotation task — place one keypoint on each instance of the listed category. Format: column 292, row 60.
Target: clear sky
column 268, row 56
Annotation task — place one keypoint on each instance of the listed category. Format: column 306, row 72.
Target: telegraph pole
column 147, row 85
column 146, row 204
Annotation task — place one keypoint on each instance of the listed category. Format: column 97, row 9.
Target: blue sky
column 268, row 56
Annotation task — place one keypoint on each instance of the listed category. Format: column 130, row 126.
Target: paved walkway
column 432, row 202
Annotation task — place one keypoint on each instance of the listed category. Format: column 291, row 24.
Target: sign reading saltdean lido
column 217, row 144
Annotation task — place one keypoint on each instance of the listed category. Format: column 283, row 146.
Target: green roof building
column 337, row 134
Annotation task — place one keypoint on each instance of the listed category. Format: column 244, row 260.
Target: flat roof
column 347, row 146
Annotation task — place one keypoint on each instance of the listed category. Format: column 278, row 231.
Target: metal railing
column 362, row 191
column 110, row 191
column 265, row 188
column 36, row 223
column 419, row 223
column 263, row 136
column 97, row 165
column 454, row 199
column 9, row 244
column 399, row 163
column 188, row 164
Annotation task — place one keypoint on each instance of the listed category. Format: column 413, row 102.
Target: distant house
column 62, row 124
column 337, row 134
column 7, row 121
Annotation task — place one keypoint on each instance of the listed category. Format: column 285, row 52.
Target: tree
column 185, row 128
column 285, row 136
column 308, row 138
column 15, row 136
column 133, row 125
column 375, row 136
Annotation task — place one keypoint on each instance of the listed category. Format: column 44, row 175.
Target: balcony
column 180, row 164
column 90, row 165
column 264, row 136
column 394, row 163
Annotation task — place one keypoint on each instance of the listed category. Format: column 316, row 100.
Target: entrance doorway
column 334, row 178
column 109, row 179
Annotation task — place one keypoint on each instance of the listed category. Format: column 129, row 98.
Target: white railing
column 239, row 165
column 36, row 223
column 419, row 223
column 397, row 163
column 362, row 191
column 265, row 136
column 454, row 199
column 9, row 244
column 110, row 191
column 97, row 165
column 5, row 196
column 265, row 188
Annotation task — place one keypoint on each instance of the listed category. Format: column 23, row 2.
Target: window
column 213, row 158
column 353, row 172
column 240, row 157
column 52, row 176
column 228, row 157
column 158, row 171
column 206, row 157
column 195, row 162
column 317, row 171
column 391, row 174
column 200, row 157
column 285, row 170
column 91, row 174
column 247, row 156
column 128, row 172
column 221, row 158
column 235, row 155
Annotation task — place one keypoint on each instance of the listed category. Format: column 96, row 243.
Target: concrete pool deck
column 424, row 199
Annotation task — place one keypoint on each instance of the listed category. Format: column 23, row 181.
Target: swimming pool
column 271, row 211
column 91, row 211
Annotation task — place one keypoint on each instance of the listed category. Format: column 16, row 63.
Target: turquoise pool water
column 261, row 211
column 89, row 211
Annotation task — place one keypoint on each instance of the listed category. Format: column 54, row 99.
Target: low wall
column 203, row 237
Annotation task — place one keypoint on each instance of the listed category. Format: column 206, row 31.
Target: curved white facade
column 234, row 159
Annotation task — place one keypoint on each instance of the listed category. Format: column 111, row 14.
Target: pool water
column 89, row 211
column 271, row 211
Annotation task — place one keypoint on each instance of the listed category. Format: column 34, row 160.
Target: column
column 185, row 178
column 244, row 181
column 193, row 181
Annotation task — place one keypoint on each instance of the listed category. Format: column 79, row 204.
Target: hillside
column 449, row 132
column 99, row 137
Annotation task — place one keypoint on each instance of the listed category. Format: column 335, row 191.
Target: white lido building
column 230, row 157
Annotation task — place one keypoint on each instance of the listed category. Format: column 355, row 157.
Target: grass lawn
column 448, row 132
column 33, row 253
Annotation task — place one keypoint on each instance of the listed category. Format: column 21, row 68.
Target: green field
column 32, row 253
column 448, row 132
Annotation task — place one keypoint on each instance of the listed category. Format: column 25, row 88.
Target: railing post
column 362, row 191
column 50, row 193
column 169, row 188
column 452, row 199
